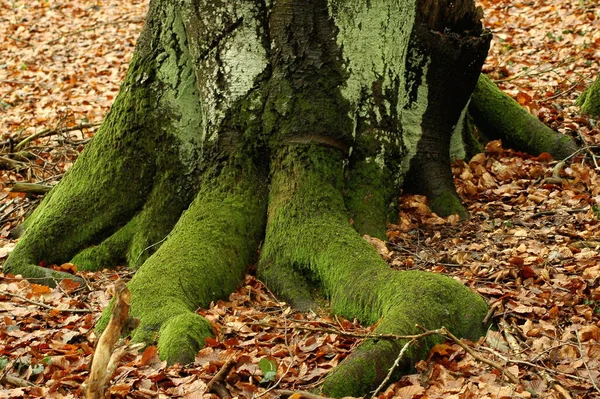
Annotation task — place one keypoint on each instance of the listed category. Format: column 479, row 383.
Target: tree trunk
column 294, row 123
column 590, row 99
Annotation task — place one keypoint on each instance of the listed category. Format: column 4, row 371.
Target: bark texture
column 293, row 123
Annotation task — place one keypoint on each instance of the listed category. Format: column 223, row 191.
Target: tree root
column 203, row 259
column 309, row 229
column 501, row 117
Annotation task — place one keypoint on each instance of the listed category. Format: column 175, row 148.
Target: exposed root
column 203, row 259
column 309, row 229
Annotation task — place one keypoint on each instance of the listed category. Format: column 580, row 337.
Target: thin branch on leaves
column 44, row 305
column 299, row 394
column 399, row 358
column 51, row 132
column 16, row 381
column 217, row 384
column 516, row 348
column 334, row 330
column 30, row 188
column 585, row 363
column 510, row 376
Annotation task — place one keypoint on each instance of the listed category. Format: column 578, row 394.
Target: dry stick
column 286, row 371
column 333, row 330
column 512, row 378
column 585, row 363
column 44, row 305
column 493, row 307
column 514, row 344
column 16, row 381
column 51, row 132
column 530, row 364
column 399, row 358
column 217, row 383
column 104, row 362
column 9, row 163
column 30, row 188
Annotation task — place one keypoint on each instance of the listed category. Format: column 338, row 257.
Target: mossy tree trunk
column 590, row 99
column 294, row 123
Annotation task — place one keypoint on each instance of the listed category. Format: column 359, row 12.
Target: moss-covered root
column 589, row 101
column 107, row 185
column 203, row 259
column 412, row 298
column 308, row 229
column 133, row 243
column 501, row 117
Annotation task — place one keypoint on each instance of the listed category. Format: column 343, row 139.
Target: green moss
column 182, row 336
column 499, row 116
column 205, row 256
column 590, row 99
column 368, row 198
column 448, row 203
column 308, row 228
column 82, row 209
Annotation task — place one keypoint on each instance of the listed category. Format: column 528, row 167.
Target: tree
column 292, row 124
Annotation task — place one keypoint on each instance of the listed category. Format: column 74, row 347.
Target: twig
column 17, row 82
column 20, row 40
column 16, row 381
column 530, row 364
column 286, row 371
column 333, row 330
column 217, row 383
column 514, row 344
column 511, row 377
column 398, row 359
column 50, row 132
column 30, row 188
column 491, row 312
column 44, row 305
column 585, row 363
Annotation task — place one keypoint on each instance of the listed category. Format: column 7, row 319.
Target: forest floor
column 531, row 247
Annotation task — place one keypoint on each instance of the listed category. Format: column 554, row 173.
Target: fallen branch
column 45, row 305
column 333, row 330
column 399, row 358
column 585, row 363
column 51, row 132
column 217, row 383
column 104, row 361
column 30, row 188
column 299, row 394
column 510, row 376
column 514, row 345
column 16, row 381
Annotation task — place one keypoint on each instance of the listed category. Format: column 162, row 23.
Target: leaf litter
column 531, row 247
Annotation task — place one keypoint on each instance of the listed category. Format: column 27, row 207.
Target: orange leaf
column 37, row 290
column 149, row 354
column 523, row 98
